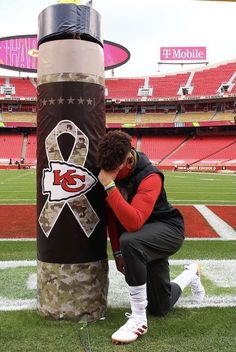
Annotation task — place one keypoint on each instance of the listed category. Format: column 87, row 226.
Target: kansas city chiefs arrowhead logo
column 63, row 181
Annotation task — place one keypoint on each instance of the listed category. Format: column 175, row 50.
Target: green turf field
column 201, row 188
column 183, row 330
column 200, row 249
column 19, row 187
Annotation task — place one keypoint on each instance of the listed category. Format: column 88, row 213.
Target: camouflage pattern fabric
column 73, row 291
column 71, row 77
column 80, row 206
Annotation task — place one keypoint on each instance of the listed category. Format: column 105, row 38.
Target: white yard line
column 16, row 263
column 221, row 227
column 17, row 239
column 10, row 179
column 14, row 191
column 203, row 192
column 206, row 239
column 7, row 200
column 186, row 239
column 31, row 282
column 212, row 301
column 221, row 272
column 118, row 291
column 17, row 304
column 205, row 201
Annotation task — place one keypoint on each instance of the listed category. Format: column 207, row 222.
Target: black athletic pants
column 146, row 254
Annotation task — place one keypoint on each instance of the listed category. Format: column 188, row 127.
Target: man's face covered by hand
column 115, row 156
column 126, row 167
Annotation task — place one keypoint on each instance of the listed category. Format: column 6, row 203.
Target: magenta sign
column 15, row 53
column 183, row 53
column 20, row 53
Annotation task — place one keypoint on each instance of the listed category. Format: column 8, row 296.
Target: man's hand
column 105, row 177
column 120, row 264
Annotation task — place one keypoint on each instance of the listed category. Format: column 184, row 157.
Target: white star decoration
column 60, row 101
column 70, row 100
column 51, row 101
column 89, row 100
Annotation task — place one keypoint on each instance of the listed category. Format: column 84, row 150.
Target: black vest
column 162, row 210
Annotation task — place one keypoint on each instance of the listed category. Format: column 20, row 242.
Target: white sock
column 138, row 301
column 184, row 279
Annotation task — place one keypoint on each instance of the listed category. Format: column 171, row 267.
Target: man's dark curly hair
column 113, row 149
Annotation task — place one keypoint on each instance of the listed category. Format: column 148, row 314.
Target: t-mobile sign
column 183, row 53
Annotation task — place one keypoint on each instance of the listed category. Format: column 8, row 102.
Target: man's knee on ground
column 158, row 304
column 157, row 311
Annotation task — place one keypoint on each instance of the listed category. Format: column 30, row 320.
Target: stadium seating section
column 11, row 146
column 204, row 84
column 24, row 87
column 157, row 148
column 206, row 81
column 120, row 118
column 28, row 117
column 168, row 86
column 30, row 155
column 165, row 150
column 123, row 87
column 191, row 150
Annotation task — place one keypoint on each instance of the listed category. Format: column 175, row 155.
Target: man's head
column 114, row 150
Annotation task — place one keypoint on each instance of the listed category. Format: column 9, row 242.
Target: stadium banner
column 183, row 53
column 20, row 53
column 72, row 274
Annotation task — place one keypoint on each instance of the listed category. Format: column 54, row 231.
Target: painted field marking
column 220, row 272
column 19, row 186
column 220, row 226
column 30, row 201
column 14, row 191
column 205, row 201
column 17, row 263
column 18, row 239
column 118, row 292
column 208, row 179
column 7, row 304
column 31, row 282
column 180, row 176
column 10, row 179
column 199, row 192
column 186, row 239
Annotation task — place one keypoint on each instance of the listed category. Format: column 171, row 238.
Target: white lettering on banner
column 15, row 52
column 187, row 54
column 183, row 53
column 166, row 53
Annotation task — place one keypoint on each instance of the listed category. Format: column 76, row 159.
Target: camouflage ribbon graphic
column 67, row 182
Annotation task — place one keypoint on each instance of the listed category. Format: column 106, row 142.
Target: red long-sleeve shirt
column 132, row 215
